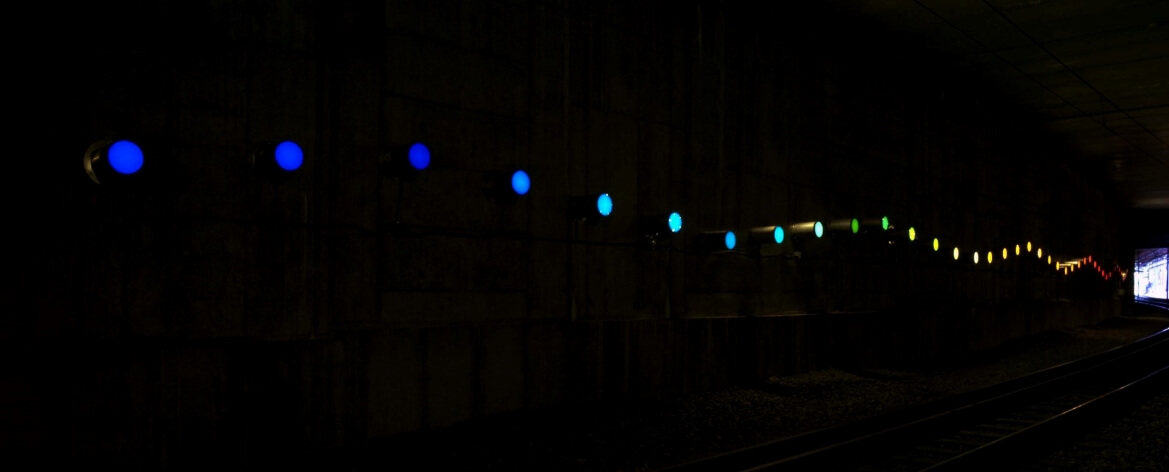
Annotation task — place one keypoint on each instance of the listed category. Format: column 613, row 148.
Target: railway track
column 984, row 429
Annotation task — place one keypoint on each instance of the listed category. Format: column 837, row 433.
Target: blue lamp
column 506, row 187
column 590, row 208
column 113, row 160
column 277, row 160
column 716, row 241
column 660, row 226
column 405, row 162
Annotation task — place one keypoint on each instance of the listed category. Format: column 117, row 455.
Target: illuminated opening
column 729, row 239
column 125, row 157
column 1028, row 246
column 1018, row 250
column 856, row 226
column 885, row 222
column 976, row 258
column 289, row 156
column 1040, row 253
column 675, row 222
column 778, row 234
column 520, row 182
column 936, row 244
column 819, row 229
column 912, row 234
column 956, row 254
column 419, row 156
column 604, row 204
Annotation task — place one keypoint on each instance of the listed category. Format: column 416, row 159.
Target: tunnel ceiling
column 1094, row 72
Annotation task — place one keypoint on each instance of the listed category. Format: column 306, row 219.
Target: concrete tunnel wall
column 208, row 310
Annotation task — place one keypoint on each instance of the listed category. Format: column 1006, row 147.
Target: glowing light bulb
column 125, row 157
column 1018, row 250
column 936, row 244
column 289, row 156
column 913, row 235
column 1028, row 246
column 604, row 204
column 520, row 182
column 955, row 253
column 675, row 222
column 1040, row 253
column 989, row 257
column 819, row 229
column 975, row 257
column 1004, row 253
column 729, row 240
column 856, row 226
column 777, row 234
column 885, row 222
column 419, row 156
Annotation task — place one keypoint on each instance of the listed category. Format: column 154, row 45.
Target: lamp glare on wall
column 110, row 161
column 276, row 161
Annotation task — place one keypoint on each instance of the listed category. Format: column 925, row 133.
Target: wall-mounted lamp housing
column 844, row 226
column 405, row 162
column 276, row 161
column 767, row 235
column 590, row 208
column 660, row 226
column 715, row 241
column 807, row 230
column 112, row 161
column 871, row 225
column 507, row 186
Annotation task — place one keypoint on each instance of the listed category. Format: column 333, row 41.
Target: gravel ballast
column 648, row 435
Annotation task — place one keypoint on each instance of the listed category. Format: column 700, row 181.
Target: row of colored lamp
column 111, row 160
